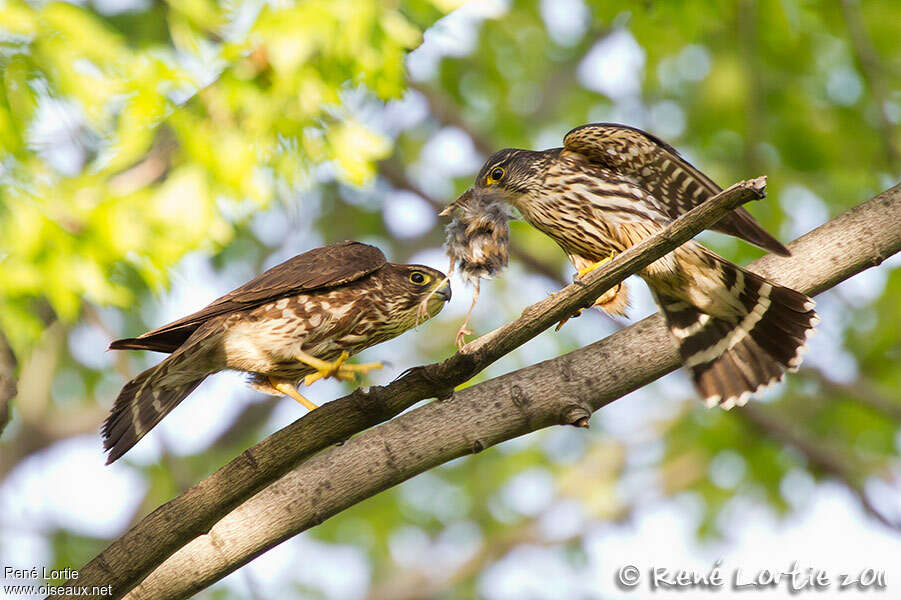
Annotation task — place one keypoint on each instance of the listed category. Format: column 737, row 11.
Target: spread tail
column 141, row 404
column 732, row 359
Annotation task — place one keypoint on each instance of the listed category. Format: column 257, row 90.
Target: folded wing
column 660, row 169
column 325, row 267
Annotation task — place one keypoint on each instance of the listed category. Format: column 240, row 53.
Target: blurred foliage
column 254, row 131
column 160, row 123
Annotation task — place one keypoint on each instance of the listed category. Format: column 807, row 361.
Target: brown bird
column 300, row 319
column 611, row 186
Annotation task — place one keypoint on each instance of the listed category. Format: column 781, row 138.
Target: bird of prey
column 611, row 186
column 298, row 320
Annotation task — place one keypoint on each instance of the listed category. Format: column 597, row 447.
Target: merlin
column 610, row 187
column 299, row 320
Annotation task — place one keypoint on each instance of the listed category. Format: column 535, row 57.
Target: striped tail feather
column 731, row 359
column 141, row 404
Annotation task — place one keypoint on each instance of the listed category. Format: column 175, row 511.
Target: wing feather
column 661, row 170
column 320, row 268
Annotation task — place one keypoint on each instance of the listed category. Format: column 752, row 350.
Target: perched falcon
column 300, row 319
column 611, row 186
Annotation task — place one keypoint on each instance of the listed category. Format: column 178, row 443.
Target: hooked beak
column 464, row 197
column 444, row 290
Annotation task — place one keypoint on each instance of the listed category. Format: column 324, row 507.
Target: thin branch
column 564, row 75
column 417, row 585
column 747, row 16
column 153, row 167
column 41, row 422
column 871, row 68
column 130, row 558
column 446, row 113
column 427, row 582
column 121, row 362
column 563, row 390
column 862, row 390
column 817, row 453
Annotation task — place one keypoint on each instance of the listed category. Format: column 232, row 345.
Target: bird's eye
column 419, row 277
column 496, row 174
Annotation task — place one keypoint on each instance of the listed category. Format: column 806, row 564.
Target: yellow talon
column 329, row 368
column 585, row 270
column 288, row 389
column 325, row 369
column 362, row 368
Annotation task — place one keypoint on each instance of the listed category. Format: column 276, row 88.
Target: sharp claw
column 565, row 319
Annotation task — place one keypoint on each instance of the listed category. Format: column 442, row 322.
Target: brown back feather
column 662, row 171
column 320, row 268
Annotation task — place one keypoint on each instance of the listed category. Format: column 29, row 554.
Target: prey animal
column 611, row 186
column 299, row 320
column 476, row 241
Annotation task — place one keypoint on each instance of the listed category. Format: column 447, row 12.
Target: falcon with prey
column 611, row 186
column 298, row 320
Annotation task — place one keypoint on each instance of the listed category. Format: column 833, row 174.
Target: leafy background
column 157, row 154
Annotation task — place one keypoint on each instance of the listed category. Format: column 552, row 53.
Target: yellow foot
column 344, row 372
column 288, row 389
column 585, row 270
column 325, row 369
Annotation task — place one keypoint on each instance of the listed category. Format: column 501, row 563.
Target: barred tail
column 732, row 359
column 141, row 404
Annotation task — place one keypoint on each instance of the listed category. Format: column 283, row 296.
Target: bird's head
column 419, row 291
column 512, row 173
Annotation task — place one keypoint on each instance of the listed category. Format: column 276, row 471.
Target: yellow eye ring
column 495, row 175
column 420, row 278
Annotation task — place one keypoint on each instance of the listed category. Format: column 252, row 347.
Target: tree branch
column 871, row 68
column 417, row 585
column 41, row 423
column 130, row 558
column 447, row 114
column 862, row 390
column 563, row 390
column 818, row 454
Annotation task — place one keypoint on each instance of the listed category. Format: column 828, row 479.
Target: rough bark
column 563, row 390
column 140, row 550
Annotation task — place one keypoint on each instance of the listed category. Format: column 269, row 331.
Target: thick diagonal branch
column 130, row 558
column 564, row 390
